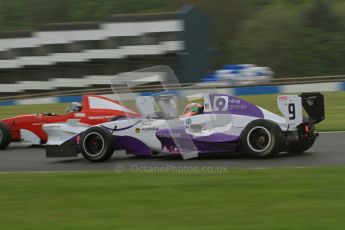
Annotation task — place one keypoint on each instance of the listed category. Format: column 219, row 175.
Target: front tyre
column 262, row 139
column 96, row 144
column 5, row 136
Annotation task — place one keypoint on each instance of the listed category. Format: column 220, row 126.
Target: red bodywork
column 95, row 110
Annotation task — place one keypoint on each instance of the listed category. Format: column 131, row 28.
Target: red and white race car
column 93, row 110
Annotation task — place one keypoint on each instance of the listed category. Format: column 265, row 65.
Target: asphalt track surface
column 328, row 150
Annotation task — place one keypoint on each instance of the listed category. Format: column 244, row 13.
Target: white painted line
column 263, row 168
column 127, row 170
column 330, row 132
column 285, row 167
column 35, row 101
column 311, row 87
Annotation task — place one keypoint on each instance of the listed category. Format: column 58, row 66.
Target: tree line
column 293, row 37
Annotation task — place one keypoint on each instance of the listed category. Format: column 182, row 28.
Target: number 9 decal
column 291, row 108
column 292, row 111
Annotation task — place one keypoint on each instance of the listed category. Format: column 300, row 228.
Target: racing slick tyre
column 96, row 144
column 303, row 144
column 5, row 135
column 262, row 139
column 300, row 147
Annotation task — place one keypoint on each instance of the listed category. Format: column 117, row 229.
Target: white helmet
column 74, row 107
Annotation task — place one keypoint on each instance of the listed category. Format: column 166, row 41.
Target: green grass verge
column 334, row 107
column 10, row 111
column 237, row 199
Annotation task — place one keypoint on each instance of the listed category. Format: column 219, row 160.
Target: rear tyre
column 262, row 139
column 5, row 136
column 299, row 147
column 96, row 144
column 305, row 142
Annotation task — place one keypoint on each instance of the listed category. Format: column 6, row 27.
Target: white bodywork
column 145, row 129
column 291, row 108
column 29, row 138
column 59, row 132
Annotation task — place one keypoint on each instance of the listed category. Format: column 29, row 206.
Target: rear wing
column 292, row 107
column 313, row 104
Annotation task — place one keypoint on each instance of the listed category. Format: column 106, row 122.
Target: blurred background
column 72, row 47
column 293, row 37
column 53, row 51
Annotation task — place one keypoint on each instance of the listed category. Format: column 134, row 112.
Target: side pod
column 66, row 149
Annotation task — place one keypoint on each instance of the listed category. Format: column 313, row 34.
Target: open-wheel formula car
column 220, row 124
column 93, row 110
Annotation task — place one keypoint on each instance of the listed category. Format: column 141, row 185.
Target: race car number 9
column 220, row 103
column 292, row 111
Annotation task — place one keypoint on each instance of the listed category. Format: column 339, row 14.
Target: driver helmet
column 75, row 107
column 192, row 109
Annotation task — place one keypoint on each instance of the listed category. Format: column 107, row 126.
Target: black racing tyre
column 96, row 144
column 303, row 143
column 5, row 136
column 262, row 139
column 300, row 146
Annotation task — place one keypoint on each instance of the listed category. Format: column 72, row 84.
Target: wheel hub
column 94, row 144
column 259, row 139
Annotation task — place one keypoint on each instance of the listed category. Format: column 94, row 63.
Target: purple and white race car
column 218, row 123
